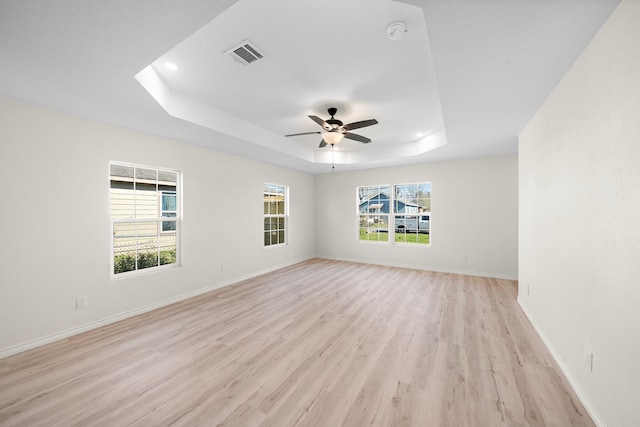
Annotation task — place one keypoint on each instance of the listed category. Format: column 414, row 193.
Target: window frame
column 418, row 214
column 135, row 221
column 163, row 211
column 393, row 216
column 373, row 217
column 269, row 216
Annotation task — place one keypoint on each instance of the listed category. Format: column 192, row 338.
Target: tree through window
column 373, row 209
column 412, row 212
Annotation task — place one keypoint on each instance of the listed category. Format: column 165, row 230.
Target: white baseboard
column 428, row 268
column 9, row 351
column 584, row 399
column 19, row 348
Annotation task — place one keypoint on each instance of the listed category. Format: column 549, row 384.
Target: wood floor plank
column 320, row 343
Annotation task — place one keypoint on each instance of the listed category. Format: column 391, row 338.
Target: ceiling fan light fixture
column 335, row 130
column 332, row 138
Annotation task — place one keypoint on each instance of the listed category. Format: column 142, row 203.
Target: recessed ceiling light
column 419, row 134
column 170, row 66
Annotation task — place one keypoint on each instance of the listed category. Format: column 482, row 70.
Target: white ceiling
column 468, row 74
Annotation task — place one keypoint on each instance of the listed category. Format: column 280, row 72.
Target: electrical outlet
column 588, row 357
column 589, row 361
column 465, row 258
column 82, row 302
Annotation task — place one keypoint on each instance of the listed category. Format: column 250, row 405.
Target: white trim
column 582, row 395
column 38, row 342
column 426, row 267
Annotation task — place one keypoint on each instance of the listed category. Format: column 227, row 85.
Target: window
column 145, row 215
column 373, row 208
column 412, row 212
column 275, row 214
column 168, row 209
column 398, row 213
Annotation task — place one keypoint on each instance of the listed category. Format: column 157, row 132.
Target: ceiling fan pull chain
column 333, row 152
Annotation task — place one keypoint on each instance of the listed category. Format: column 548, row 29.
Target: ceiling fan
column 335, row 130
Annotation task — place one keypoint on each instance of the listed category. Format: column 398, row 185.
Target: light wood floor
column 321, row 343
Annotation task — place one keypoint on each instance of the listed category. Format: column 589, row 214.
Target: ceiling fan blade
column 319, row 121
column 304, row 133
column 356, row 137
column 323, row 143
column 363, row 123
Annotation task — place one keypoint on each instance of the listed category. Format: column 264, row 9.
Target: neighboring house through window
column 398, row 213
column 168, row 209
column 412, row 212
column 276, row 211
column 144, row 208
column 373, row 209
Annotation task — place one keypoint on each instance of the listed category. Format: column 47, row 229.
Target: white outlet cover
column 81, row 302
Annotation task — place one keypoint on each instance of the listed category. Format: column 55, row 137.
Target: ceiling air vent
column 245, row 53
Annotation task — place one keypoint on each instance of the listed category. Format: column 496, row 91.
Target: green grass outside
column 399, row 238
column 374, row 236
column 127, row 262
column 422, row 239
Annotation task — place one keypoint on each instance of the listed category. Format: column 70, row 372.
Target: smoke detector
column 396, row 30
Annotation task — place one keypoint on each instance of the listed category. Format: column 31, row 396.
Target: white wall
column 580, row 220
column 55, row 223
column 474, row 214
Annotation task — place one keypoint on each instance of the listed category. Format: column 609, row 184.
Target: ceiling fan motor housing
column 334, row 124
